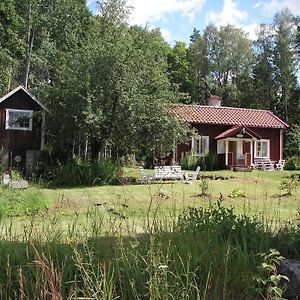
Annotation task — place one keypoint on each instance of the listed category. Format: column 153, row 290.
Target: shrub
column 293, row 163
column 289, row 184
column 269, row 281
column 219, row 221
column 189, row 162
column 76, row 173
column 128, row 160
column 207, row 163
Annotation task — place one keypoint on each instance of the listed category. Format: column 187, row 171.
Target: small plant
column 268, row 281
column 290, row 185
column 16, row 175
column 204, row 187
column 236, row 193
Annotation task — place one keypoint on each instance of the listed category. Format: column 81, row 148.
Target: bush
column 128, row 160
column 77, row 173
column 293, row 163
column 189, row 162
column 207, row 163
column 22, row 202
column 289, row 184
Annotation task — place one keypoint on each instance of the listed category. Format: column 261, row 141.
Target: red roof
column 235, row 130
column 198, row 114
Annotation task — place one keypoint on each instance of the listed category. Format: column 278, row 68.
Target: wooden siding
column 272, row 134
column 21, row 139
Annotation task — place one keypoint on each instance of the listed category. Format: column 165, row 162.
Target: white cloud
column 145, row 11
column 167, row 35
column 230, row 14
column 257, row 5
column 251, row 29
column 276, row 5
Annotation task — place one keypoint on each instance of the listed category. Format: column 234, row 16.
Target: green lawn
column 262, row 195
column 101, row 238
column 137, row 203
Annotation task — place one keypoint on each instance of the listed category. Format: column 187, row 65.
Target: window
column 17, row 119
column 200, row 145
column 221, row 146
column 262, row 148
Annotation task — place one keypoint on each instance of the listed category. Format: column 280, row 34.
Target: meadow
column 149, row 241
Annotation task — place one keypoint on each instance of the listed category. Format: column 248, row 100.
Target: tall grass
column 15, row 202
column 204, row 253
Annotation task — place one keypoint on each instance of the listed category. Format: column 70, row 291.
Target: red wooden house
column 22, row 119
column 237, row 135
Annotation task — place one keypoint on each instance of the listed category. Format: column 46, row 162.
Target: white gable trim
column 20, row 87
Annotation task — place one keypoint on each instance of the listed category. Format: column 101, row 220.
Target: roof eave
column 20, row 87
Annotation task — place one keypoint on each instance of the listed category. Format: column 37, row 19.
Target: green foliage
column 289, row 185
column 15, row 202
column 179, row 71
column 269, row 282
column 102, row 256
column 285, row 65
column 204, row 187
column 236, row 193
column 11, row 43
column 16, row 175
column 189, row 162
column 77, row 173
column 293, row 142
column 223, row 67
column 206, row 163
column 128, row 161
column 293, row 163
column 218, row 220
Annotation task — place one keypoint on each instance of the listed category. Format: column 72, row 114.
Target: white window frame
column 8, row 127
column 195, row 140
column 268, row 148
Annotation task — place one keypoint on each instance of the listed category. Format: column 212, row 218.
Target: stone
column 21, row 184
column 291, row 269
column 6, row 179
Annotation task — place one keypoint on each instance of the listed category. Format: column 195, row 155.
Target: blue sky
column 177, row 18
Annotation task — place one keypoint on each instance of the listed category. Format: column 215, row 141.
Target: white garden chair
column 145, row 177
column 190, row 177
column 279, row 166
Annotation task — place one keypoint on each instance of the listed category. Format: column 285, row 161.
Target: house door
column 232, row 152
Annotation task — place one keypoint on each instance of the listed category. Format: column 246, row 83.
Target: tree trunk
column 28, row 61
column 30, row 40
column 96, row 147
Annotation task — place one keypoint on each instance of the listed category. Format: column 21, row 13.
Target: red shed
column 22, row 120
column 237, row 135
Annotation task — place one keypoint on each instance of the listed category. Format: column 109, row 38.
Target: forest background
column 106, row 83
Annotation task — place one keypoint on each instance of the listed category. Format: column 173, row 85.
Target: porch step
column 242, row 169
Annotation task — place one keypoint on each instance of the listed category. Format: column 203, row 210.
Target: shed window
column 262, row 148
column 200, row 145
column 18, row 119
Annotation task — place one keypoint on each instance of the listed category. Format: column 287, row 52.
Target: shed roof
column 20, row 87
column 199, row 114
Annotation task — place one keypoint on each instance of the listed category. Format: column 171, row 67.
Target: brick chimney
column 214, row 101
